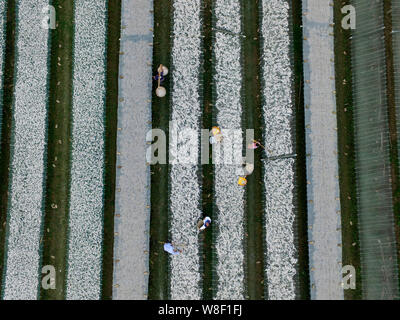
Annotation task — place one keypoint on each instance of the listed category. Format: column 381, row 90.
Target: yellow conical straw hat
column 242, row 181
column 215, row 130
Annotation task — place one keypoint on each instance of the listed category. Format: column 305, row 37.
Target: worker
column 205, row 223
column 162, row 71
column 159, row 76
column 216, row 135
column 254, row 145
column 215, row 130
column 171, row 249
column 242, row 181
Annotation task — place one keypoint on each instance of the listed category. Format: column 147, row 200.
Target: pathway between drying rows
column 321, row 147
column 132, row 199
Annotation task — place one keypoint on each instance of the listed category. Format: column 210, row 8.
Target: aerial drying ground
column 78, row 192
column 237, row 65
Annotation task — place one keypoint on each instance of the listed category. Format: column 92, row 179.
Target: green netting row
column 396, row 61
column 374, row 191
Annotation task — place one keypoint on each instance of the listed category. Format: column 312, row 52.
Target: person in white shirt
column 206, row 223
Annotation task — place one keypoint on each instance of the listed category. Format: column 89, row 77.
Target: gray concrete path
column 321, row 148
column 132, row 199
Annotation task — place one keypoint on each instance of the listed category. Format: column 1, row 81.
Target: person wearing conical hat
column 215, row 130
column 216, row 135
column 254, row 145
column 160, row 74
column 242, row 181
column 163, row 69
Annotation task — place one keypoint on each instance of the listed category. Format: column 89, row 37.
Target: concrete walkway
column 132, row 199
column 321, row 148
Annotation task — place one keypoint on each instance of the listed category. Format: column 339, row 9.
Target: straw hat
column 242, row 181
column 165, row 70
column 215, row 130
column 161, row 92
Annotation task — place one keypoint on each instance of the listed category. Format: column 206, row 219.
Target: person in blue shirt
column 206, row 223
column 160, row 73
column 171, row 249
column 157, row 76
